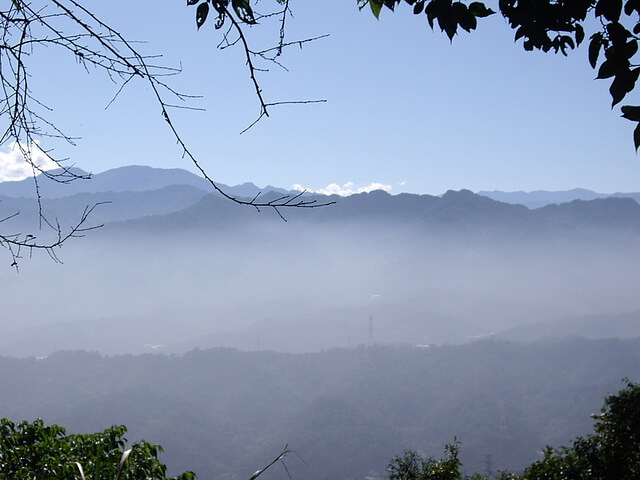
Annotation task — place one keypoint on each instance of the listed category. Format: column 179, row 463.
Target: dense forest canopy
column 223, row 413
column 36, row 451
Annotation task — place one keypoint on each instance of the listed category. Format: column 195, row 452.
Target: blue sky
column 405, row 108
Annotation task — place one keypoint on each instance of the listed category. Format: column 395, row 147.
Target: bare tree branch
column 17, row 243
column 27, row 26
column 285, row 451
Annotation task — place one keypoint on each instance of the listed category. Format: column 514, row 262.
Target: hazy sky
column 405, row 108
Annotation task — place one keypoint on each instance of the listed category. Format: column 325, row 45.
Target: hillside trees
column 611, row 452
column 412, row 466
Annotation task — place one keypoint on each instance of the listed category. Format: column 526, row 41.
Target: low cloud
column 13, row 166
column 346, row 189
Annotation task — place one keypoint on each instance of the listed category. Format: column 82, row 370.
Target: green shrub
column 35, row 451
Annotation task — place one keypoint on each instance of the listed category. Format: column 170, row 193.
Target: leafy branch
column 242, row 14
column 553, row 25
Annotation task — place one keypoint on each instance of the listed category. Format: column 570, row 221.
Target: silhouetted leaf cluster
column 554, row 25
column 546, row 25
column 449, row 15
column 242, row 9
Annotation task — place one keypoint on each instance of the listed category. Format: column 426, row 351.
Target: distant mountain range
column 540, row 198
column 443, row 268
column 155, row 198
column 134, row 178
column 407, row 283
column 622, row 325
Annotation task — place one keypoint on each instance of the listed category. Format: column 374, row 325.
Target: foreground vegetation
column 33, row 451
column 612, row 451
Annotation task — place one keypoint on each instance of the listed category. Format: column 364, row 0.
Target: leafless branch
column 26, row 26
column 17, row 243
column 285, row 451
column 251, row 55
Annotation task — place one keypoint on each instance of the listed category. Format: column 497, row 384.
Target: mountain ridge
column 540, row 198
column 136, row 178
column 131, row 178
column 184, row 206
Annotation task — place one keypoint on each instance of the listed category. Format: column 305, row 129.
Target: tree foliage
column 558, row 26
column 35, row 451
column 611, row 452
column 412, row 466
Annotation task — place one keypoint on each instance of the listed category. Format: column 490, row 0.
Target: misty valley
column 350, row 332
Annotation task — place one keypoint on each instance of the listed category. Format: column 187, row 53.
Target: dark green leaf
column 636, row 137
column 624, row 83
column 192, row 2
column 618, row 89
column 594, row 49
column 458, row 11
column 468, row 21
column 479, row 9
column 376, row 6
column 390, row 4
column 631, row 112
column 609, row 9
column 244, row 11
column 220, row 6
column 630, row 49
column 607, row 69
column 568, row 41
column 448, row 24
column 579, row 34
column 220, row 20
column 201, row 14
column 631, row 5
column 418, row 7
column 431, row 11
column 617, row 32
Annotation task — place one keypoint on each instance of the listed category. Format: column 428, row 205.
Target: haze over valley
column 379, row 323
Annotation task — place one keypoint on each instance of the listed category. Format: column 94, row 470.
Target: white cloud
column 13, row 167
column 346, row 189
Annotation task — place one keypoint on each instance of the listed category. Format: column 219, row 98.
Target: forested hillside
column 222, row 413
